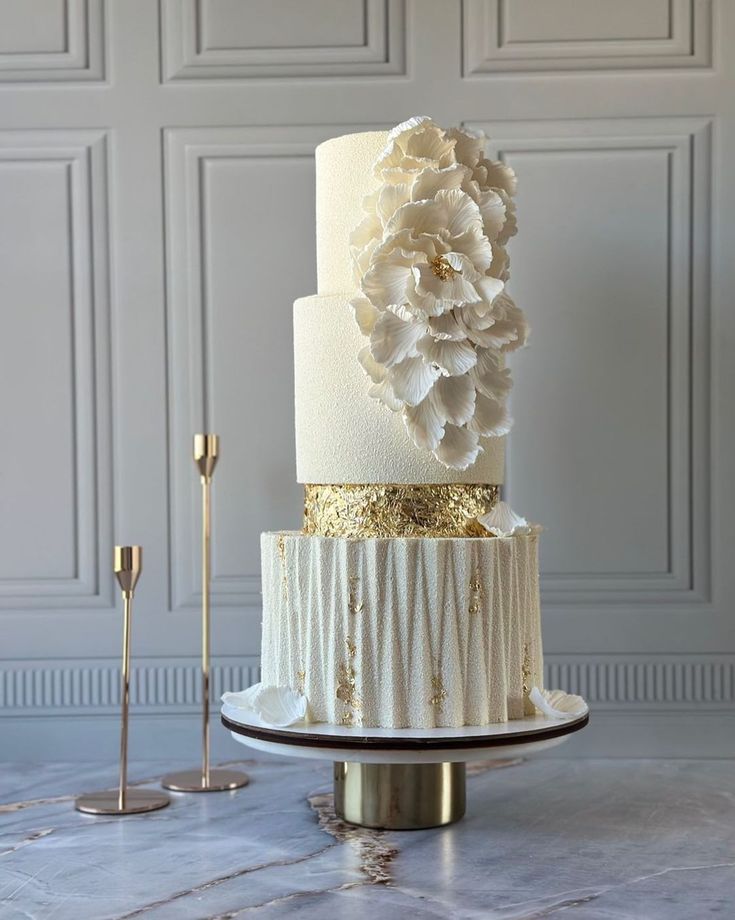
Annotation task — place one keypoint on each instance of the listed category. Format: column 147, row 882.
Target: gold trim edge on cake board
column 397, row 510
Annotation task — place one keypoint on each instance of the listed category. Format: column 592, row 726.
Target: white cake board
column 321, row 741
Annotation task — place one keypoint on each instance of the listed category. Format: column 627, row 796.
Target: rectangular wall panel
column 241, row 39
column 240, row 227
column 51, row 41
column 55, row 488
column 562, row 35
column 603, row 451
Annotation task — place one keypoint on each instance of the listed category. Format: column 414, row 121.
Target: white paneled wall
column 156, row 223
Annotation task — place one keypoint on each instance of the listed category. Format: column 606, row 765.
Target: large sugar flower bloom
column 432, row 256
column 430, row 260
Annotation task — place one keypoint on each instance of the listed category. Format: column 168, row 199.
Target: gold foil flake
column 353, row 605
column 380, row 510
column 351, row 647
column 346, row 686
column 281, row 546
column 300, row 680
column 526, row 674
column 438, row 691
column 476, row 594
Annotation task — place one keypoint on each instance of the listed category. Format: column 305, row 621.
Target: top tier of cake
column 344, row 176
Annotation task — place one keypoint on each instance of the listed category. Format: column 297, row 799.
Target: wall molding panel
column 683, row 149
column 188, row 54
column 189, row 153
column 79, row 159
column 508, row 36
column 76, row 53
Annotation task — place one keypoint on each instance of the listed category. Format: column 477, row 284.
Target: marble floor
column 589, row 840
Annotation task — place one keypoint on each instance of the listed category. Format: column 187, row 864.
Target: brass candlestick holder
column 124, row 801
column 206, row 452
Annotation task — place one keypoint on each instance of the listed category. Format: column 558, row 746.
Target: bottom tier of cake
column 418, row 632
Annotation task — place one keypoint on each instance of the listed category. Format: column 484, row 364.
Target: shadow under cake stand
column 401, row 779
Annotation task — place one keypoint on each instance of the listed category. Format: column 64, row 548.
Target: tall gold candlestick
column 128, row 563
column 206, row 453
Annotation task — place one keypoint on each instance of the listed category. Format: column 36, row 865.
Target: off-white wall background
column 156, row 223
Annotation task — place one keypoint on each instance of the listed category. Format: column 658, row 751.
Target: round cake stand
column 401, row 779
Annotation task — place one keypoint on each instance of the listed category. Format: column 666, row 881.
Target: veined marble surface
column 590, row 840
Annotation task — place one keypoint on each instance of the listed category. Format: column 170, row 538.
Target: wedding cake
column 410, row 598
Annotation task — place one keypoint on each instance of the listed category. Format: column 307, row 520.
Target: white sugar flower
column 429, row 258
column 556, row 704
column 502, row 521
column 432, row 255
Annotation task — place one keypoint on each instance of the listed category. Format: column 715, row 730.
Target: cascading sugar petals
column 430, row 260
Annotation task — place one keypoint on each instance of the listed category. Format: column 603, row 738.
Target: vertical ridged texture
column 416, row 632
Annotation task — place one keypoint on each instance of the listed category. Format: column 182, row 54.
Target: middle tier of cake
column 403, row 632
column 342, row 433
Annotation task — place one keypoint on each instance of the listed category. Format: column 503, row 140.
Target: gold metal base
column 194, row 781
column 397, row 796
column 137, row 801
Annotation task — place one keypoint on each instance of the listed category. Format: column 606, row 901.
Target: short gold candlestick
column 206, row 453
column 128, row 563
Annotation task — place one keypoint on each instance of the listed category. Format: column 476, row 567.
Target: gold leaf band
column 380, row 510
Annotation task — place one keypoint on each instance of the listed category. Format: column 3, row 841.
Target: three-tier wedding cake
column 410, row 598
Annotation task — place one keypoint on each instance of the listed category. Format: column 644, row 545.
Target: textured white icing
column 344, row 176
column 402, row 613
column 342, row 435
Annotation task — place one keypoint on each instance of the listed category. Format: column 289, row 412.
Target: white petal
column 375, row 371
column 277, row 706
column 491, row 419
column 429, row 142
column 489, row 288
column 391, row 198
column 424, row 424
column 493, row 210
column 410, row 124
column 365, row 314
column 387, row 280
column 510, row 224
column 502, row 521
column 446, row 327
column 361, row 260
column 461, row 212
column 501, row 176
column 453, row 358
column 383, row 391
column 490, row 376
column 556, row 704
column 393, row 339
column 476, row 247
column 429, row 181
column 500, row 264
column 412, row 379
column 418, row 217
column 459, row 448
column 469, row 147
column 454, row 398
column 368, row 229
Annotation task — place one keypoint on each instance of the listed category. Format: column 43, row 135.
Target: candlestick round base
column 107, row 802
column 194, row 781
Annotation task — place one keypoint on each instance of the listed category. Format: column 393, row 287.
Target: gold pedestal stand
column 206, row 779
column 399, row 796
column 124, row 801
